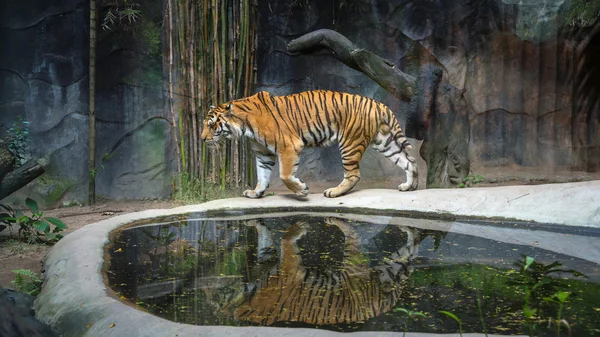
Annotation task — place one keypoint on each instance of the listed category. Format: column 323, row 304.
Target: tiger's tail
column 393, row 144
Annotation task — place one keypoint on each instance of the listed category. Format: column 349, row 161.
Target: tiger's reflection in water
column 354, row 288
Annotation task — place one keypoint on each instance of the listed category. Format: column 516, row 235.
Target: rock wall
column 280, row 72
column 512, row 61
column 44, row 79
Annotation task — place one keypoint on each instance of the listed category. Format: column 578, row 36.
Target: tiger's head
column 217, row 124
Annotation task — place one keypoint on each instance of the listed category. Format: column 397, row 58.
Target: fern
column 26, row 281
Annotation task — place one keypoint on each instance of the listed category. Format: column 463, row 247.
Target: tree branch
column 20, row 177
column 380, row 70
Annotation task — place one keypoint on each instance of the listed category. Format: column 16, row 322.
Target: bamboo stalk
column 202, row 95
column 216, row 63
column 244, row 37
column 182, row 87
column 249, row 76
column 223, row 53
column 194, row 134
column 222, row 90
column 234, row 160
column 92, row 103
column 170, row 72
column 216, row 76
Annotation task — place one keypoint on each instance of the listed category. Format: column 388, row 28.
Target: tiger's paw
column 252, row 194
column 407, row 187
column 332, row 192
column 303, row 192
column 300, row 189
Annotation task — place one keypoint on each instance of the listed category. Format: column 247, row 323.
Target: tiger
column 355, row 292
column 280, row 127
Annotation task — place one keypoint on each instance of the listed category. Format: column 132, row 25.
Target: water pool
column 348, row 272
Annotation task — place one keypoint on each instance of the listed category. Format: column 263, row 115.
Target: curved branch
column 20, row 177
column 380, row 70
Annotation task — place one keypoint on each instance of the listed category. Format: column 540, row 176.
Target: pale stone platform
column 74, row 297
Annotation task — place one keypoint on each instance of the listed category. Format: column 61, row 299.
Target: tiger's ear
column 212, row 106
column 229, row 109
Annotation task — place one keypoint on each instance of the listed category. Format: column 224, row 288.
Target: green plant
column 411, row 315
column 560, row 297
column 105, row 157
column 34, row 228
column 534, row 278
column 501, row 303
column 18, row 141
column 26, row 281
column 191, row 190
column 15, row 246
column 122, row 12
column 52, row 188
column 471, row 180
column 481, row 315
column 454, row 317
column 529, row 313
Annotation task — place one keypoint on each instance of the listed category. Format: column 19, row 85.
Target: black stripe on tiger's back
column 243, row 106
column 329, row 118
column 310, row 116
column 285, row 120
column 320, row 125
column 263, row 98
column 290, row 112
column 296, row 120
column 306, row 120
column 295, row 107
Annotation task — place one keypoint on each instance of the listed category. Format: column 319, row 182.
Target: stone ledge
column 74, row 297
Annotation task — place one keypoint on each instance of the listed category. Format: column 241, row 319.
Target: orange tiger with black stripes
column 282, row 126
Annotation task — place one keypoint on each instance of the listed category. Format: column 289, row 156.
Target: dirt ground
column 18, row 255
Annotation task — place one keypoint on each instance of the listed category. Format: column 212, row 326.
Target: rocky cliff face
column 511, row 61
column 44, row 79
column 281, row 73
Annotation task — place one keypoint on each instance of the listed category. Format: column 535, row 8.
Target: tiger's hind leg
column 264, row 166
column 351, row 156
column 394, row 145
column 288, row 165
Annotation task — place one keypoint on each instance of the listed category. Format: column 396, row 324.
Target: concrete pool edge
column 74, row 297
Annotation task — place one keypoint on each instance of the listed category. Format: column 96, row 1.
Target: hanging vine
column 210, row 49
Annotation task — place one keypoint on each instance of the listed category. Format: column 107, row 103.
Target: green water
column 346, row 275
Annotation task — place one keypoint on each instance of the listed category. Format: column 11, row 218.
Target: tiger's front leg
column 288, row 165
column 351, row 156
column 264, row 167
